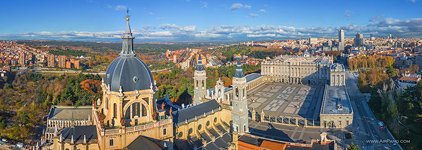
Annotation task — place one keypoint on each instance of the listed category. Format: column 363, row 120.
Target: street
column 367, row 134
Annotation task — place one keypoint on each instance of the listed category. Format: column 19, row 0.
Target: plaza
column 283, row 103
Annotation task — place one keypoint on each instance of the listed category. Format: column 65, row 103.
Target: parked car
column 381, row 125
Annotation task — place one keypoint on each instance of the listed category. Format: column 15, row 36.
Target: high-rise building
column 62, row 61
column 75, row 63
column 22, row 59
column 359, row 41
column 312, row 41
column 341, row 40
column 51, row 61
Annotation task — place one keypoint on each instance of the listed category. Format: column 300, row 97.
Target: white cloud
column 203, row 4
column 120, row 8
column 173, row 32
column 236, row 6
column 348, row 14
column 253, row 15
column 262, row 10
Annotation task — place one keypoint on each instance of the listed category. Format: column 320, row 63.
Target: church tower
column 200, row 82
column 239, row 102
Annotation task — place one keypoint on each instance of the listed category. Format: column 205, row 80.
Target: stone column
column 306, row 123
column 253, row 115
column 262, row 116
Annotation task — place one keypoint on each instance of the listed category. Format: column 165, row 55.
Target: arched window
column 114, row 110
column 164, row 131
column 237, row 92
column 144, row 111
column 106, row 103
column 203, row 83
column 127, row 113
column 133, row 106
column 199, row 127
column 136, row 109
column 196, row 83
column 244, row 91
column 190, row 131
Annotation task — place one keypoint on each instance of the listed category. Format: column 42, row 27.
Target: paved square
column 280, row 99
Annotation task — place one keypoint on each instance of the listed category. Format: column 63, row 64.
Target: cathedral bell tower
column 200, row 82
column 239, row 102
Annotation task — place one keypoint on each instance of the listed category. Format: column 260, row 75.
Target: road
column 365, row 125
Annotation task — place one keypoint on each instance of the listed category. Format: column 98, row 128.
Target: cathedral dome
column 130, row 73
column 127, row 72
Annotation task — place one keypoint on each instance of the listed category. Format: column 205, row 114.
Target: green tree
column 353, row 147
column 2, row 123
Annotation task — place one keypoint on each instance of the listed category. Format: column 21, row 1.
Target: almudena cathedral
column 307, row 91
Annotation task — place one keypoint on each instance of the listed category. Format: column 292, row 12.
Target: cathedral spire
column 127, row 44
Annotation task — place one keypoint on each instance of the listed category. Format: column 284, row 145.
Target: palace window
column 111, row 142
column 208, row 123
column 164, row 131
column 199, row 127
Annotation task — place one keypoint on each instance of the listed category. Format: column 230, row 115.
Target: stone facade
column 296, row 69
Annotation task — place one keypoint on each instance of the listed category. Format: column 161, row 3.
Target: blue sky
column 192, row 20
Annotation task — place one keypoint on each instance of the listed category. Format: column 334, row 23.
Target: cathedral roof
column 127, row 72
column 78, row 133
column 189, row 113
column 143, row 142
column 70, row 113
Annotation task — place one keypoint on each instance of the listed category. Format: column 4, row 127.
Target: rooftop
column 78, row 133
column 142, row 142
column 252, row 76
column 70, row 113
column 189, row 113
column 336, row 101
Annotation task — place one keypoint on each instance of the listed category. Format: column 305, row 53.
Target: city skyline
column 189, row 20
